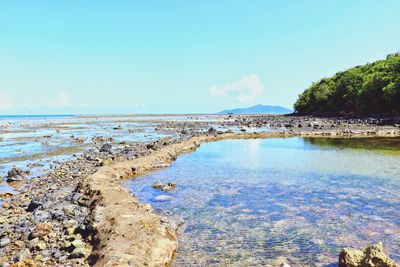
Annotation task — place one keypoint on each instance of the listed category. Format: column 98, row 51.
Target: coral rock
column 371, row 256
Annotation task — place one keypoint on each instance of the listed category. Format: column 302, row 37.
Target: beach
column 77, row 213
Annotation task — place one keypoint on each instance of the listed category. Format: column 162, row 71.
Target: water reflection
column 254, row 202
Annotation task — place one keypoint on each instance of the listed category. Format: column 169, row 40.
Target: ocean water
column 260, row 202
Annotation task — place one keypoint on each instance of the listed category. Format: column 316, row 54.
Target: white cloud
column 62, row 100
column 5, row 102
column 245, row 91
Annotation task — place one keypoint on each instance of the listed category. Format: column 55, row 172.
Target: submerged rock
column 162, row 198
column 157, row 185
column 371, row 256
column 164, row 187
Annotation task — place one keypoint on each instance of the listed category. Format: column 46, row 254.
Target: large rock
column 371, row 256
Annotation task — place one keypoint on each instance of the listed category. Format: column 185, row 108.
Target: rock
column 160, row 165
column 106, row 162
column 40, row 245
column 6, row 195
column 151, row 146
column 24, row 263
column 164, row 187
column 106, row 148
column 33, row 242
column 4, row 242
column 41, row 216
column 80, row 252
column 80, row 249
column 16, row 174
column 157, row 185
column 168, row 187
column 22, row 255
column 69, row 210
column 33, row 205
column 211, row 130
column 163, row 198
column 43, row 229
column 19, row 243
column 371, row 256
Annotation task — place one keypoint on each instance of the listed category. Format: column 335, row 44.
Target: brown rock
column 371, row 256
column 24, row 263
column 43, row 229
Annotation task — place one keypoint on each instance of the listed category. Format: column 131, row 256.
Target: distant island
column 370, row 89
column 258, row 109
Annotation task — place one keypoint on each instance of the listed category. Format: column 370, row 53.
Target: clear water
column 44, row 139
column 259, row 202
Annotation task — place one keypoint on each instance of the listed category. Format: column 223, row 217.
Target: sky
column 114, row 57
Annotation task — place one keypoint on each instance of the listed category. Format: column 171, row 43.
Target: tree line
column 370, row 89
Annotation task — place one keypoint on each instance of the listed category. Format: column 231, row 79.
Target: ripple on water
column 256, row 202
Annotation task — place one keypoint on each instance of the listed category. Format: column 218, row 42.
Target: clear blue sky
column 181, row 56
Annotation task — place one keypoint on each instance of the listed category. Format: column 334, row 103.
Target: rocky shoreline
column 79, row 215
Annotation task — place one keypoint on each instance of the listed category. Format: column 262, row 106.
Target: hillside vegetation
column 371, row 89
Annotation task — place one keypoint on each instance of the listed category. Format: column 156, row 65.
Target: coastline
column 91, row 220
column 123, row 223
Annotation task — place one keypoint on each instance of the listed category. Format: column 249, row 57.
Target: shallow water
column 257, row 202
column 45, row 139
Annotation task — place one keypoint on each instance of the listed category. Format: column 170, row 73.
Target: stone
column 33, row 205
column 106, row 162
column 19, row 243
column 371, row 256
column 71, row 230
column 164, row 187
column 157, row 185
column 40, row 245
column 163, row 198
column 41, row 216
column 16, row 174
column 106, row 148
column 43, row 229
column 23, row 254
column 4, row 242
column 33, row 242
column 24, row 263
column 80, row 252
column 69, row 210
column 168, row 187
column 80, row 249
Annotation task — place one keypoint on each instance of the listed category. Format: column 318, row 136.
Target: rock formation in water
column 371, row 256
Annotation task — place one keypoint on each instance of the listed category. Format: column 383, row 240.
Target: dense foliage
column 371, row 89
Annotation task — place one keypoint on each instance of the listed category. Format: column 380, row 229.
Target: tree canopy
column 371, row 89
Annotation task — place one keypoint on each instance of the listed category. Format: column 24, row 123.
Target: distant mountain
column 258, row 109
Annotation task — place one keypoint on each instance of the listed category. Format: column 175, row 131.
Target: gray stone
column 4, row 242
